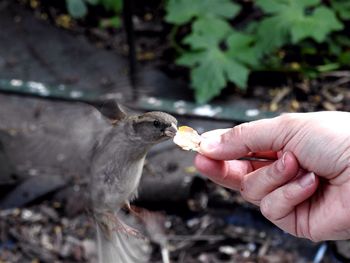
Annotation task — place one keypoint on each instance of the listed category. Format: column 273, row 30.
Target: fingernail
column 281, row 164
column 307, row 180
column 210, row 143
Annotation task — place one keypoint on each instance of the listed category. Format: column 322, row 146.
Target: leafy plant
column 294, row 21
column 216, row 53
column 342, row 7
column 211, row 68
column 78, row 9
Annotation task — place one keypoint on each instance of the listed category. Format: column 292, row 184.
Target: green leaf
column 179, row 11
column 190, row 59
column 210, row 67
column 271, row 6
column 277, row 6
column 211, row 70
column 114, row 22
column 216, row 27
column 328, row 67
column 112, row 5
column 293, row 21
column 76, row 8
column 334, row 48
column 240, row 47
column 344, row 58
column 182, row 11
column 269, row 40
column 316, row 26
column 208, row 78
column 343, row 40
column 197, row 42
column 207, row 32
column 308, row 49
column 92, row 2
column 342, row 7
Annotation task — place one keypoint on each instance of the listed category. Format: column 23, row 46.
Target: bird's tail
column 115, row 246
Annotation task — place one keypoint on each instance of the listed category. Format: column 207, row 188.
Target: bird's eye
column 156, row 124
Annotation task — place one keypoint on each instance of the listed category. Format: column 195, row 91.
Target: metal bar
column 130, row 34
column 33, row 88
column 236, row 113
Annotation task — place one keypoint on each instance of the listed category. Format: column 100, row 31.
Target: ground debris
column 41, row 234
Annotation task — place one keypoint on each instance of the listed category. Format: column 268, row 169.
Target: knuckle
column 246, row 191
column 288, row 194
column 313, row 234
column 238, row 131
column 232, row 133
column 315, row 238
column 288, row 118
column 304, row 231
column 240, row 134
column 266, row 209
column 273, row 176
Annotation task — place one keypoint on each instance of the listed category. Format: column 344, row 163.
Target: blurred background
column 211, row 63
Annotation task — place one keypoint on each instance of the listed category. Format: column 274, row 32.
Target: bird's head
column 153, row 127
column 145, row 129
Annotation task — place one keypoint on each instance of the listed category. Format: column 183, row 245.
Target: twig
column 334, row 98
column 264, row 248
column 196, row 238
column 344, row 73
column 341, row 81
column 173, row 42
column 280, row 95
column 165, row 254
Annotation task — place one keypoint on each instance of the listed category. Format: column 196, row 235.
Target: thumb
column 256, row 136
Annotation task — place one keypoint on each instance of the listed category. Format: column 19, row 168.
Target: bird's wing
column 55, row 137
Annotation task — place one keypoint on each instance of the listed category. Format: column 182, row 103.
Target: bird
column 116, row 168
column 100, row 144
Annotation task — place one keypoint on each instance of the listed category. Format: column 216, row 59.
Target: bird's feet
column 120, row 226
column 134, row 210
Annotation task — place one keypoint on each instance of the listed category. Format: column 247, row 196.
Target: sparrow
column 116, row 168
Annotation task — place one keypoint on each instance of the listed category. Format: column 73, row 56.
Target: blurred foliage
column 79, row 9
column 306, row 36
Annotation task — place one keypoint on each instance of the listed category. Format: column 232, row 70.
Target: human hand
column 306, row 192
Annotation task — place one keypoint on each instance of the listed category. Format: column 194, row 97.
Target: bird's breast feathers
column 132, row 176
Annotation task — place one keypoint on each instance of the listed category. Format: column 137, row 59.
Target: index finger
column 257, row 136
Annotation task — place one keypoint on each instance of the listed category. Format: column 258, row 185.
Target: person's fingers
column 257, row 136
column 259, row 183
column 212, row 134
column 259, row 164
column 225, row 173
column 268, row 155
column 280, row 206
column 217, row 132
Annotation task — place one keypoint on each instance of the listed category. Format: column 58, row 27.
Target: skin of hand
column 119, row 155
column 306, row 192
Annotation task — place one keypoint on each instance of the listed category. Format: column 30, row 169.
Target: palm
column 309, row 195
column 314, row 219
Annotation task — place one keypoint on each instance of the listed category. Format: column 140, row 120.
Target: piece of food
column 187, row 138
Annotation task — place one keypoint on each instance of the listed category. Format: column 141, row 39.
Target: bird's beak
column 171, row 130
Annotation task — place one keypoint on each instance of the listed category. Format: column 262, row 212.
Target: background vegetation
column 225, row 41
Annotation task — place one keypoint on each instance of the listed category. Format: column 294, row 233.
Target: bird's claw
column 128, row 231
column 120, row 226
